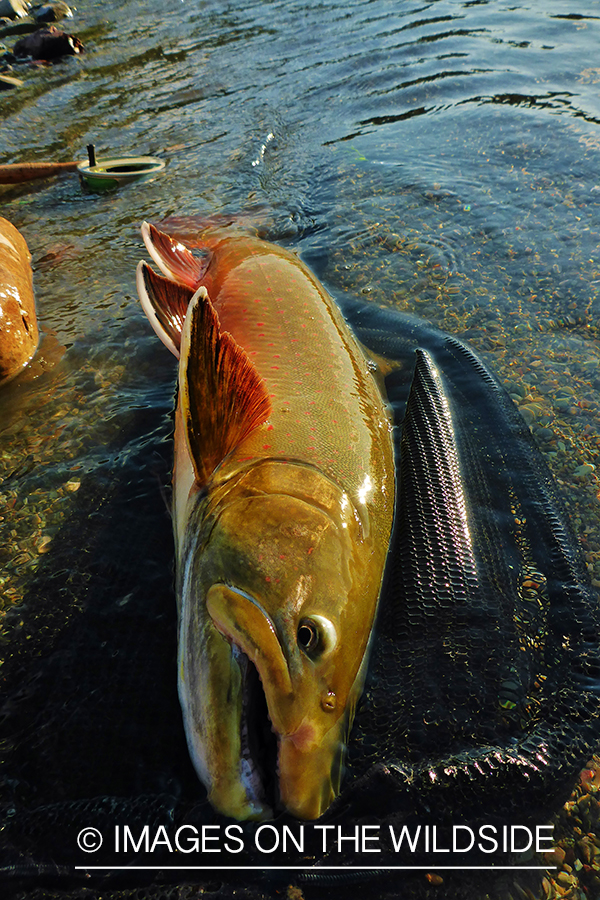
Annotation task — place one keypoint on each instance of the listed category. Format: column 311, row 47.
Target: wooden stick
column 15, row 173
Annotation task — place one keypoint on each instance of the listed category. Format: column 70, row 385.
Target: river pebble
column 585, row 469
column 52, row 12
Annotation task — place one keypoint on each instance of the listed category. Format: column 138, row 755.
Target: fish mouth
column 288, row 756
column 258, row 741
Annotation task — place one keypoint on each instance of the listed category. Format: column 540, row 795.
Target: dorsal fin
column 173, row 258
column 223, row 398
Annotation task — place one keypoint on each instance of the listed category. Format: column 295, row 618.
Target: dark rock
column 48, row 44
column 52, row 12
column 13, row 9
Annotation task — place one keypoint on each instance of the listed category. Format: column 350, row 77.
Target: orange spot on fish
column 266, row 446
column 310, row 550
column 270, row 428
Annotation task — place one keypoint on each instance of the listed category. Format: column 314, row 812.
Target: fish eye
column 308, row 635
column 316, row 635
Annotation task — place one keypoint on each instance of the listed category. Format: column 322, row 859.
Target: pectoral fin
column 223, row 398
column 173, row 258
column 165, row 303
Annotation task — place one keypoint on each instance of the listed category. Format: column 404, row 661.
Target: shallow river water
column 438, row 157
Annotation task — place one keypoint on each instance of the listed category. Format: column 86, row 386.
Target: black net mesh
column 481, row 703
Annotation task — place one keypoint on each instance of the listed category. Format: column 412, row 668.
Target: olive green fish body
column 282, row 534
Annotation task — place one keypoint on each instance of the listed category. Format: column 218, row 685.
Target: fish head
column 283, row 591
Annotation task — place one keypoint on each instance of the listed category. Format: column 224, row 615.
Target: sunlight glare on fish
column 365, row 489
column 343, row 506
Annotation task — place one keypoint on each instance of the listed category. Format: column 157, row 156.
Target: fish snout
column 310, row 774
column 306, row 718
column 245, row 623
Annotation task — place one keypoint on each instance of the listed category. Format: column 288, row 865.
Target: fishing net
column 481, row 703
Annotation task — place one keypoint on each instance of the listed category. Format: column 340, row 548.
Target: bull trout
column 19, row 334
column 283, row 498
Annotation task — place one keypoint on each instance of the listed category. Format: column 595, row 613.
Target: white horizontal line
column 316, row 869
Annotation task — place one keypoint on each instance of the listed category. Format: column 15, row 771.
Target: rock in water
column 48, row 44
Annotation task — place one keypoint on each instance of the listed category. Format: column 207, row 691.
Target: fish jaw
column 311, row 732
column 310, row 772
column 213, row 719
column 242, row 621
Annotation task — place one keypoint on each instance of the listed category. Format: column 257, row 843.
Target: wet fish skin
column 19, row 333
column 284, row 542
